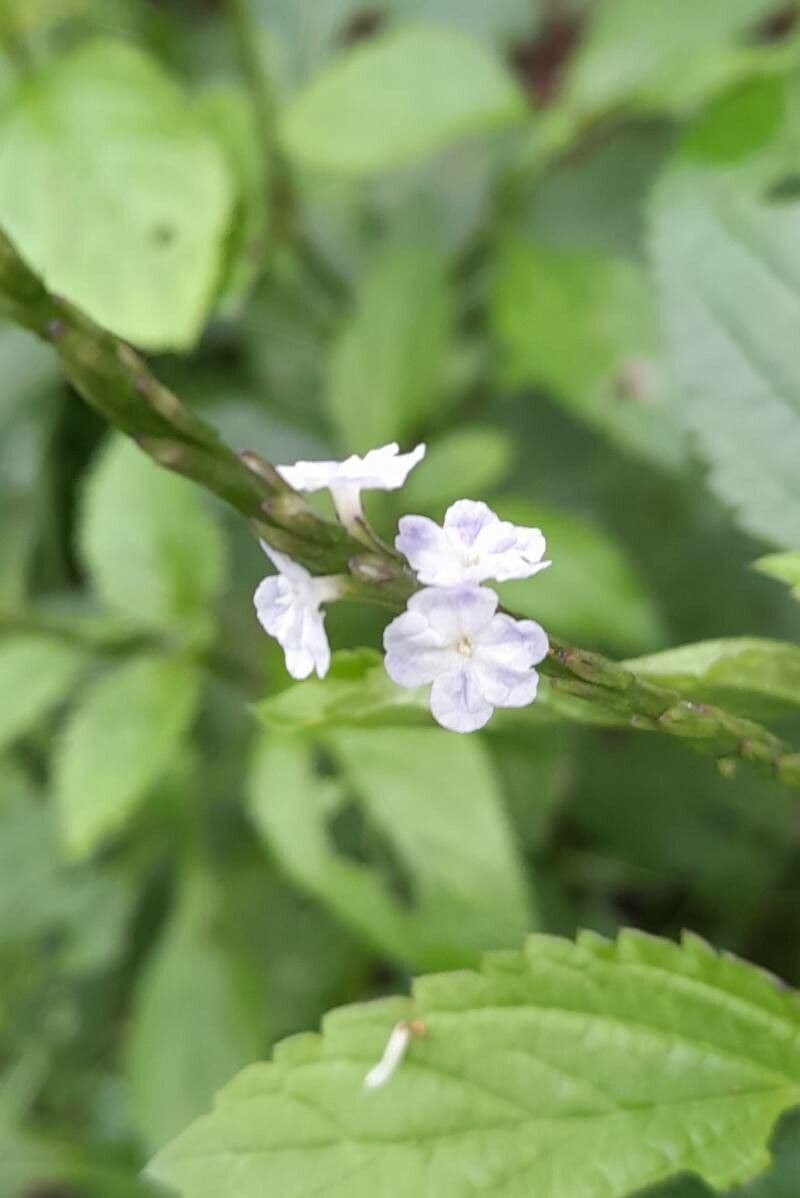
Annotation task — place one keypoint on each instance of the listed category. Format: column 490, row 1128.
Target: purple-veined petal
column 503, row 687
column 455, row 612
column 466, row 519
column 415, row 652
column 518, row 644
column 504, row 656
column 457, row 702
column 425, row 547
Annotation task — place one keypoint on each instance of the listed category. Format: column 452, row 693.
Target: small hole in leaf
column 785, row 191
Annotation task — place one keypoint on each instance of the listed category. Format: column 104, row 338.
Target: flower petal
column 504, row 657
column 505, row 551
column 457, row 702
column 285, row 565
column 415, row 652
column 310, row 476
column 383, row 469
column 455, row 612
column 292, row 616
column 427, row 550
column 273, row 602
column 513, row 643
column 466, row 519
column 315, row 639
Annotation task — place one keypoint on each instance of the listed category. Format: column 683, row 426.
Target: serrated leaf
column 590, row 593
column 36, row 674
column 112, row 189
column 120, row 738
column 386, row 369
column 728, row 267
column 750, row 676
column 583, row 324
column 567, row 1069
column 397, row 98
column 153, row 551
column 780, row 1180
column 442, row 818
column 194, row 1020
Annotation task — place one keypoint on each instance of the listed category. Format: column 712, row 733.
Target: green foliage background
column 560, row 242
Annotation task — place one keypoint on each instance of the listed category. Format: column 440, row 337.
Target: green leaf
column 29, row 404
column 195, row 1021
column 387, row 367
column 780, row 1181
column 582, row 324
column 397, row 98
column 111, row 187
column 728, row 267
column 469, row 461
column 783, row 566
column 567, row 1069
column 28, row 1161
column 747, row 675
column 120, row 738
column 357, row 690
column 590, row 593
column 666, row 55
column 444, row 831
column 154, row 553
column 502, row 19
column 36, row 674
column 229, row 115
column 29, row 886
column 88, row 908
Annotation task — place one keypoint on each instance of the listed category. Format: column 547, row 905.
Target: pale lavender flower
column 288, row 607
column 474, row 658
column 384, row 469
column 474, row 544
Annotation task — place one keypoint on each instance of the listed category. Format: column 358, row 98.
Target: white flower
column 474, row 544
column 384, row 469
column 288, row 608
column 475, row 658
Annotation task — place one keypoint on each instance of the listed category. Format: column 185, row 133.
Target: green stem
column 280, row 190
column 281, row 198
column 117, row 383
column 120, row 387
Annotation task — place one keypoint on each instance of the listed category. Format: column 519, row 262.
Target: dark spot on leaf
column 778, row 24
column 785, row 190
column 363, row 26
column 163, row 235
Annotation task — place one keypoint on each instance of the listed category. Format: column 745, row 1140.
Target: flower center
column 464, row 647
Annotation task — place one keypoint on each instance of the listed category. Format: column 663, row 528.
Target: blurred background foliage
column 557, row 239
